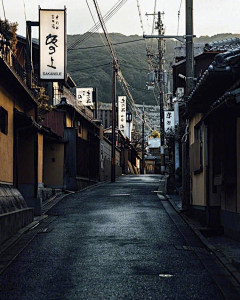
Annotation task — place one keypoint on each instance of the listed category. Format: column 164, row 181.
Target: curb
column 47, row 205
column 218, row 254
column 37, row 220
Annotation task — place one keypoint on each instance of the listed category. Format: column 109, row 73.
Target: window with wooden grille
column 196, row 157
column 3, row 120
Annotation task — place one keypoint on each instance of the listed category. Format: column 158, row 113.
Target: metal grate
column 190, row 248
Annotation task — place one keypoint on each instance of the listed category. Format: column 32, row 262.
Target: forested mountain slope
column 90, row 63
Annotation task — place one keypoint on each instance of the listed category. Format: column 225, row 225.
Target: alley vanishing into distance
column 115, row 241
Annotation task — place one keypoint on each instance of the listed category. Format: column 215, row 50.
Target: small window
column 196, row 152
column 3, row 120
column 79, row 127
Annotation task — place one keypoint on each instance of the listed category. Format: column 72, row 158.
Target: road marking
column 120, row 195
column 166, row 275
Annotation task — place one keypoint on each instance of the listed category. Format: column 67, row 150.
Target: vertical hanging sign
column 169, row 120
column 52, row 40
column 84, row 96
column 122, row 113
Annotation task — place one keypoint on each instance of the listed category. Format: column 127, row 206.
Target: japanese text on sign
column 52, row 44
column 122, row 113
column 169, row 120
column 84, row 96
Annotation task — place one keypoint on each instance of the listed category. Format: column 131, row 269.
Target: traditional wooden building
column 21, row 144
column 213, row 111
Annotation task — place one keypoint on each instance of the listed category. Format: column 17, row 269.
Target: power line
column 93, row 67
column 150, row 56
column 4, row 11
column 91, row 31
column 101, row 19
column 100, row 46
column 124, row 85
column 25, row 15
column 96, row 25
column 179, row 11
column 153, row 24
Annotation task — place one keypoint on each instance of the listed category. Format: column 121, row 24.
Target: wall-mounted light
column 182, row 76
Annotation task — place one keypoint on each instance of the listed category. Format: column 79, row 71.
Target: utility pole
column 160, row 37
column 113, row 121
column 189, row 48
column 28, row 64
column 161, row 86
column 189, row 87
column 143, row 140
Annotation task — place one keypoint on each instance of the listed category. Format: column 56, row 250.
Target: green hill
column 90, row 63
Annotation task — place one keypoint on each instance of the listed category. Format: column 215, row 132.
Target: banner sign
column 102, row 154
column 84, row 96
column 52, row 40
column 168, row 120
column 122, row 105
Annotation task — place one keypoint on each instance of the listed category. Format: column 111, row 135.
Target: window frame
column 3, row 120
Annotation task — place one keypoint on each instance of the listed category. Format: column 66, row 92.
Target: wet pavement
column 226, row 248
column 115, row 241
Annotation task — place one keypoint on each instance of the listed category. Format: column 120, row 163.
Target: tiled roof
column 219, row 76
column 223, row 45
column 218, row 46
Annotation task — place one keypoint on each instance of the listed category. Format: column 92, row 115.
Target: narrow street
column 114, row 241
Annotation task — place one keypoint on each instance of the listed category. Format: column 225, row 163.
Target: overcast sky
column 210, row 16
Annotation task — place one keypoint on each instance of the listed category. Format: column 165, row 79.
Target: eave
column 15, row 80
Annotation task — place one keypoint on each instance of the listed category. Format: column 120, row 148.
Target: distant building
column 105, row 114
column 154, row 146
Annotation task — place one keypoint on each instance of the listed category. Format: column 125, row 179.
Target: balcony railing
column 11, row 60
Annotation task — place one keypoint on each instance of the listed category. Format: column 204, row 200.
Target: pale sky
column 210, row 16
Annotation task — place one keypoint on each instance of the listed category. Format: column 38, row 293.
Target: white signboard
column 84, row 96
column 102, row 154
column 168, row 120
column 122, row 108
column 180, row 92
column 52, row 44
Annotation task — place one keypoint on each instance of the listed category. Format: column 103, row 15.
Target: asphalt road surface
column 115, row 241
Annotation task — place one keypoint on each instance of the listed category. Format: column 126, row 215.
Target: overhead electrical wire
column 96, row 25
column 153, row 24
column 92, row 30
column 101, row 46
column 124, row 85
column 25, row 15
column 176, row 43
column 149, row 50
column 141, row 22
column 179, row 11
column 4, row 10
column 102, row 22
column 28, row 36
column 93, row 67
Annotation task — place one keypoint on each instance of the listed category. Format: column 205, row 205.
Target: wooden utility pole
column 113, row 171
